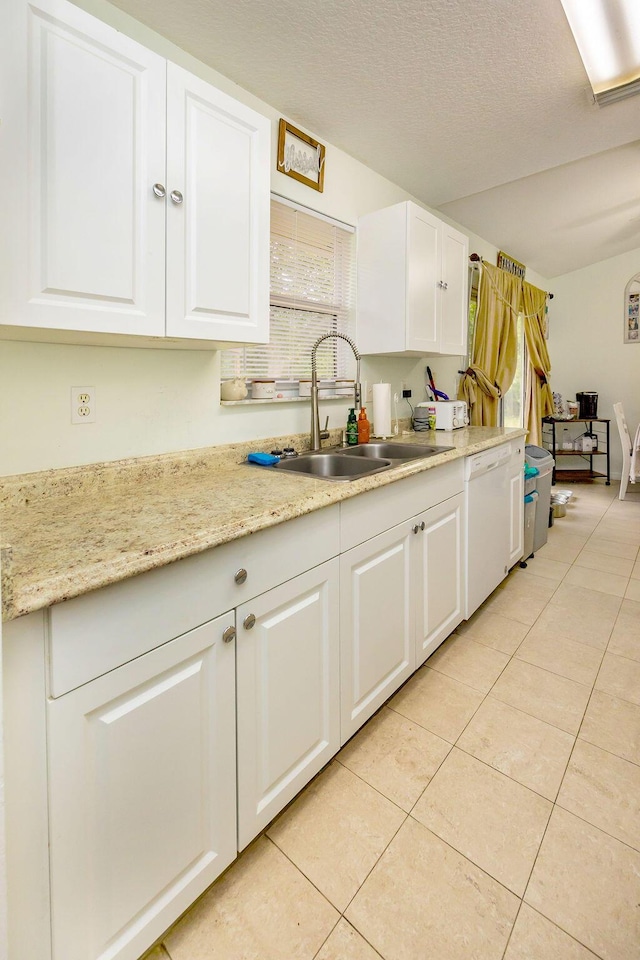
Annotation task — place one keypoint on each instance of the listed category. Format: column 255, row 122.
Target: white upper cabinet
column 412, row 283
column 140, row 194
column 83, row 132
column 218, row 233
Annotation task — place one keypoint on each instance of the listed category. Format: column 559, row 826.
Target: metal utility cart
column 550, row 441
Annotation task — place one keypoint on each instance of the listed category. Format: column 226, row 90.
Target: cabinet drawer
column 95, row 633
column 371, row 513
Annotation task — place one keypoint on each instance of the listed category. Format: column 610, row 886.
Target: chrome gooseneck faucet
column 316, row 435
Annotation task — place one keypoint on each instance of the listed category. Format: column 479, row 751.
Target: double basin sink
column 351, row 463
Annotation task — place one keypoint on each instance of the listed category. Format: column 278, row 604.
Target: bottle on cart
column 567, row 442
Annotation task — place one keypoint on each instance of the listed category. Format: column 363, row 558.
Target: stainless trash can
column 542, row 459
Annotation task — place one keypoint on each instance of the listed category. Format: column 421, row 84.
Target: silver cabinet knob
column 229, row 634
column 176, row 196
column 159, row 190
column 249, row 622
column 422, row 525
column 416, row 528
column 241, row 576
column 443, row 284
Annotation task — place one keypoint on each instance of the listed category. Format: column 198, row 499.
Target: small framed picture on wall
column 631, row 310
column 300, row 156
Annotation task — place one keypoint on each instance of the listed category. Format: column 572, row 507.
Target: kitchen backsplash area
column 152, row 401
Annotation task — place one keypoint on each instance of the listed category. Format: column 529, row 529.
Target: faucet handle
column 324, row 434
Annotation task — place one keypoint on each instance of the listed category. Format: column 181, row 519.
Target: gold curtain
column 539, row 398
column 495, row 345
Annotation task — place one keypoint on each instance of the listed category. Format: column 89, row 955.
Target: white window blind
column 312, row 292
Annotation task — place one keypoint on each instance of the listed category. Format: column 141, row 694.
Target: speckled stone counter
column 65, row 532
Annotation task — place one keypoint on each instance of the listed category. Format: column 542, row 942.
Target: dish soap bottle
column 352, row 428
column 364, row 427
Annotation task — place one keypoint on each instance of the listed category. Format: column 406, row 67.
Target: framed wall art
column 631, row 312
column 300, row 156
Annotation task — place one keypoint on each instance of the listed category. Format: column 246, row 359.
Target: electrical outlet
column 83, row 404
column 406, row 393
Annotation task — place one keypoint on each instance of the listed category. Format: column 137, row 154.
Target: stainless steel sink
column 393, row 451
column 333, row 466
column 350, row 463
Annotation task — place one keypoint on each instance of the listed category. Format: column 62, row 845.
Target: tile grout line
column 558, row 806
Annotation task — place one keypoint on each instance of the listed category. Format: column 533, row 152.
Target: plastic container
column 531, row 475
column 542, row 459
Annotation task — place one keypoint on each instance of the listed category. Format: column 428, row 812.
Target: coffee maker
column 588, row 401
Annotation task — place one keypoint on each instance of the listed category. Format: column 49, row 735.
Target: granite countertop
column 66, row 532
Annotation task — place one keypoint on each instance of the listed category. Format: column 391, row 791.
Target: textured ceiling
column 482, row 110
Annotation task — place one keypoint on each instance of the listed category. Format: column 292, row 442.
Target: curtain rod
column 476, row 258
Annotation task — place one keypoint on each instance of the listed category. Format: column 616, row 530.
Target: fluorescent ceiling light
column 607, row 33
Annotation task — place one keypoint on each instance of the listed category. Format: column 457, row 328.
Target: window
column 312, row 292
column 513, row 400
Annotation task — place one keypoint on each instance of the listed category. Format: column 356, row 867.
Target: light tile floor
column 491, row 810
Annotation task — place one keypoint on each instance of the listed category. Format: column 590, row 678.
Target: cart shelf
column 549, row 440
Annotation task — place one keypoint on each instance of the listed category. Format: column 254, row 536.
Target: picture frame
column 300, row 156
column 632, row 310
column 510, row 264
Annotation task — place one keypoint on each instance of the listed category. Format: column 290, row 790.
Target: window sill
column 253, row 403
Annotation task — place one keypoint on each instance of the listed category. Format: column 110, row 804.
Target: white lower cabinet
column 377, row 623
column 439, row 572
column 401, row 595
column 288, row 676
column 142, row 795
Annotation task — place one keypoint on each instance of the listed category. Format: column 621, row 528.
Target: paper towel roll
column 381, row 409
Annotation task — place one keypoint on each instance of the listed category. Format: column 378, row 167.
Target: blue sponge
column 264, row 459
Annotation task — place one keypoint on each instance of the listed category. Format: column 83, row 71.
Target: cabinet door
column 454, row 306
column 288, row 693
column 84, row 142
column 142, row 795
column 377, row 648
column 516, row 501
column 423, row 258
column 218, row 156
column 439, row 574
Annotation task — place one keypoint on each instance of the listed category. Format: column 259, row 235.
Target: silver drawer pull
column 159, row 190
column 422, row 525
column 241, row 576
column 229, row 634
column 416, row 528
column 249, row 622
column 176, row 196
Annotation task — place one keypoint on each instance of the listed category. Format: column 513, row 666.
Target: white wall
column 586, row 341
column 154, row 401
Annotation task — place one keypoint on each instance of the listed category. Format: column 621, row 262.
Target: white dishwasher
column 486, row 491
